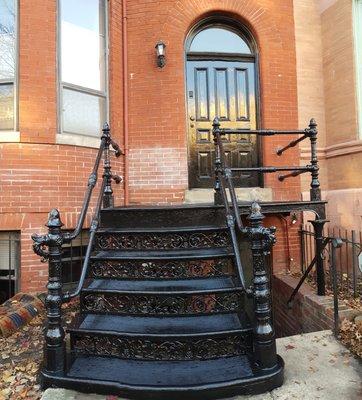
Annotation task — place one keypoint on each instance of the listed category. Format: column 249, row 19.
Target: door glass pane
column 7, row 39
column 83, row 113
column 83, row 43
column 7, row 107
column 219, row 40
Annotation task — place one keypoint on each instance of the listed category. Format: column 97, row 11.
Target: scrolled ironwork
column 162, row 349
column 154, row 304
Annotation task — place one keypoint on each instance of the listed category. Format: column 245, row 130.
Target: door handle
column 192, row 118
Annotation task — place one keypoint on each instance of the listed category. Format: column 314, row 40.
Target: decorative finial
column 54, row 220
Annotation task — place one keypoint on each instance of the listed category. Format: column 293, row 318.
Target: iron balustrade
column 224, row 180
column 49, row 247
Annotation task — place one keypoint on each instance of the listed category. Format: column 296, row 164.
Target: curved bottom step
column 176, row 380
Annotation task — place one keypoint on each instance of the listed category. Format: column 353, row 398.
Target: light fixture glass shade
column 160, row 48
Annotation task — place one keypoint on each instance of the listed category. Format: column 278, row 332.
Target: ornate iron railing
column 49, row 247
column 224, row 180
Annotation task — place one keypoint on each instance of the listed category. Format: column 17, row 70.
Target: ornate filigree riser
column 161, row 241
column 162, row 350
column 119, row 269
column 161, row 304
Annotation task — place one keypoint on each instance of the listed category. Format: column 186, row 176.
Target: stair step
column 173, row 338
column 164, row 326
column 153, row 374
column 162, row 239
column 174, row 287
column 166, row 264
column 169, row 229
column 189, row 254
column 162, row 216
column 167, row 297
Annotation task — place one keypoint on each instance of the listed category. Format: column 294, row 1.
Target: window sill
column 78, row 140
column 9, row 137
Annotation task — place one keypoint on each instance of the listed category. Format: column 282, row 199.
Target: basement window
column 83, row 66
column 9, row 264
column 8, row 64
column 72, row 259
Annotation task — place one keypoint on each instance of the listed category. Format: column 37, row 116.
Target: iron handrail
column 93, row 228
column 231, row 213
column 106, row 142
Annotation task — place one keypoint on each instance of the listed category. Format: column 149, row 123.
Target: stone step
column 206, row 196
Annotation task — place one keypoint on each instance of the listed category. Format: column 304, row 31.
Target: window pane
column 218, row 40
column 83, row 113
column 7, row 107
column 7, row 39
column 83, row 43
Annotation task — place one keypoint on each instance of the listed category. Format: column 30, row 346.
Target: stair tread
column 169, row 229
column 170, row 326
column 217, row 252
column 161, row 373
column 170, row 285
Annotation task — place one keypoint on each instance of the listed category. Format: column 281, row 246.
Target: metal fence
column 348, row 272
column 9, row 264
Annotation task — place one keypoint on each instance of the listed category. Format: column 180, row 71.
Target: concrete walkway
column 316, row 367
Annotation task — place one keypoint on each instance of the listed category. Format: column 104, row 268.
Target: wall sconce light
column 160, row 51
column 293, row 219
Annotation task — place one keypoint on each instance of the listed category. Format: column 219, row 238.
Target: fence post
column 261, row 240
column 218, row 167
column 318, row 225
column 54, row 350
column 336, row 243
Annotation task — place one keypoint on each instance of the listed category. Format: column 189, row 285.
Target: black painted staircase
column 162, row 313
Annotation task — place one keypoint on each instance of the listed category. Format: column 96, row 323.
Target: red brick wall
column 37, row 174
column 309, row 313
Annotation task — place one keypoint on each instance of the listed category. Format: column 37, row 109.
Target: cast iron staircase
column 174, row 301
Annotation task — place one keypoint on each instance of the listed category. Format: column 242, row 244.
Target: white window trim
column 14, row 82
column 71, row 138
column 357, row 28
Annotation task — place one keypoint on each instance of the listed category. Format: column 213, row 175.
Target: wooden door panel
column 225, row 89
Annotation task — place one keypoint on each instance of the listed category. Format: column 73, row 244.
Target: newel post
column 54, row 349
column 315, row 191
column 108, row 200
column 261, row 240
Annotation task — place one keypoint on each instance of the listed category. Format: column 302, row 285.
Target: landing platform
column 316, row 367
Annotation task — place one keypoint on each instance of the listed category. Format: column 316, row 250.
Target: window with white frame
column 83, row 66
column 8, row 64
column 358, row 59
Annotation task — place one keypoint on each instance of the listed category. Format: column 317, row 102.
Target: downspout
column 125, row 101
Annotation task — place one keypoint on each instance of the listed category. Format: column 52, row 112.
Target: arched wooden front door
column 220, row 82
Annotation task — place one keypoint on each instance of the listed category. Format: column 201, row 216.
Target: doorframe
column 242, row 30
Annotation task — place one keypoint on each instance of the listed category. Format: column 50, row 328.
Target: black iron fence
column 348, row 261
column 9, row 264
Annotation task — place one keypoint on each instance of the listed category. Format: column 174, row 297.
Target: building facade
column 67, row 67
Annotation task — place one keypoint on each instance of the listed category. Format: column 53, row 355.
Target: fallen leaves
column 21, row 356
column 350, row 335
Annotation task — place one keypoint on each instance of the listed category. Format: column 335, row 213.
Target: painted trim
column 357, row 33
column 77, row 140
column 340, row 149
column 9, row 137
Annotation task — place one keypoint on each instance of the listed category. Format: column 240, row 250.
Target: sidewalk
column 316, row 367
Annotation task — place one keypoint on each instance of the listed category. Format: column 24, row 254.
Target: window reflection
column 7, row 63
column 219, row 40
column 83, row 66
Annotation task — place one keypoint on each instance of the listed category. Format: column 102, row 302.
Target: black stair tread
column 170, row 326
column 217, row 252
column 152, row 286
column 169, row 229
column 161, row 373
